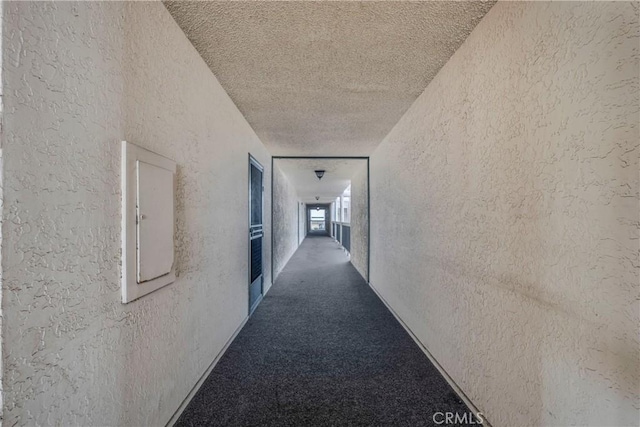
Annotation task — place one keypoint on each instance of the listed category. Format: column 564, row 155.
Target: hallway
column 321, row 349
column 479, row 166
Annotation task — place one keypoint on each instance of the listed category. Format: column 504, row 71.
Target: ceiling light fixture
column 319, row 174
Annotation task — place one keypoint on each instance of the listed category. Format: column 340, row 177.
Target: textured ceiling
column 337, row 177
column 326, row 77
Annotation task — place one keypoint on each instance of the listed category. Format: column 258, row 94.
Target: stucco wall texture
column 505, row 215
column 79, row 78
column 360, row 221
column 285, row 220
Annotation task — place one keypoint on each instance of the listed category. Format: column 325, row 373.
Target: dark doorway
column 256, row 233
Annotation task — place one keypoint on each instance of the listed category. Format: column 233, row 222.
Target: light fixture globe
column 319, row 174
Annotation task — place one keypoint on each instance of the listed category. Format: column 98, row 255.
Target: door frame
column 273, row 158
column 254, row 162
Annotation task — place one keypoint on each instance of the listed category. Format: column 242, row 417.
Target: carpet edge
column 176, row 415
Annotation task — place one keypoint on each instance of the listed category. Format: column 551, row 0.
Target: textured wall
column 360, row 221
column 505, row 214
column 79, row 78
column 285, row 220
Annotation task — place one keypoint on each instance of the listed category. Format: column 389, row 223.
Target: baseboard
column 204, row 376
column 433, row 360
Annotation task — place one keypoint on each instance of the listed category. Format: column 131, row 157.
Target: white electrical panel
column 148, row 221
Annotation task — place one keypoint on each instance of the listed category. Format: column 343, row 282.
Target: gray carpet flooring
column 321, row 349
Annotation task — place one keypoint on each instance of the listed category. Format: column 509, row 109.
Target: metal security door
column 256, row 235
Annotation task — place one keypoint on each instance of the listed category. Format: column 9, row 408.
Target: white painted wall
column 79, row 78
column 285, row 220
column 360, row 221
column 302, row 222
column 505, row 215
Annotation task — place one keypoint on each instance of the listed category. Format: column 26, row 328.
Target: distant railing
column 342, row 233
column 317, row 225
column 346, row 237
